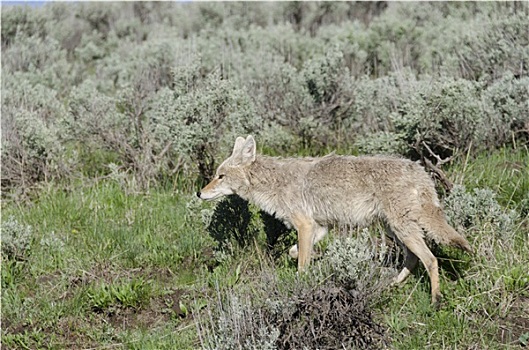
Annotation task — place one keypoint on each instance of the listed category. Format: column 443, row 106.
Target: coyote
column 310, row 194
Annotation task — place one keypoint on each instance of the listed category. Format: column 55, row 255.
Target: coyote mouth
column 202, row 196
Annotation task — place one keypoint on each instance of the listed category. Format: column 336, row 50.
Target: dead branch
column 435, row 168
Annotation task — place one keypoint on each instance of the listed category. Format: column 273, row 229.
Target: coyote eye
column 221, row 176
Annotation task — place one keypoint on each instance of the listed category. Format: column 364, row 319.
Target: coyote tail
column 440, row 231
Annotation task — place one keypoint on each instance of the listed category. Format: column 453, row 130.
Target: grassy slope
column 139, row 244
column 111, row 267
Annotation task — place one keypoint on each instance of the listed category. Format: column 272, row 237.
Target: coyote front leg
column 319, row 233
column 305, row 227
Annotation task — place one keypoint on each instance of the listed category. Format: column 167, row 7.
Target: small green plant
column 524, row 339
column 224, row 273
column 132, row 293
column 517, row 279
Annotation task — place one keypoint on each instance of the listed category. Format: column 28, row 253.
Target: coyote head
column 231, row 175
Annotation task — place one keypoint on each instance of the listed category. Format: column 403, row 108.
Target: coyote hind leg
column 411, row 236
column 410, row 259
column 410, row 263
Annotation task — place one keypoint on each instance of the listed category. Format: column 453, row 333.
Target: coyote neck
column 271, row 182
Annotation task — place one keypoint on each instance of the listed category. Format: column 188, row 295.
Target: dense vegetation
column 114, row 114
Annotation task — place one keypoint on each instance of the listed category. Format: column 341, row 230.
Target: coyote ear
column 248, row 150
column 238, row 145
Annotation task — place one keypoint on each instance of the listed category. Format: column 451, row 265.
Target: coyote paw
column 401, row 277
column 394, row 282
column 437, row 301
column 293, row 252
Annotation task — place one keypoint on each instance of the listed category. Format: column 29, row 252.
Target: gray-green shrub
column 479, row 210
column 164, row 88
column 16, row 239
column 354, row 262
column 317, row 311
column 506, row 109
column 199, row 121
column 447, row 115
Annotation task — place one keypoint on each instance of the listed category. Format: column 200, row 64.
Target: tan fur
column 310, row 194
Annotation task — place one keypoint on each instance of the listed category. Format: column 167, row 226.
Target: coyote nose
column 198, row 194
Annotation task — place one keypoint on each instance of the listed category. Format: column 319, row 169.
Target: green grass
column 96, row 252
column 504, row 171
column 111, row 267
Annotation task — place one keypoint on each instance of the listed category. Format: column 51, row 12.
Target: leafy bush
column 479, row 210
column 239, row 326
column 445, row 115
column 328, row 308
column 198, row 121
column 499, row 47
column 31, row 150
column 16, row 239
column 17, row 20
column 329, row 86
column 325, row 316
column 352, row 260
column 102, row 122
column 374, row 100
column 164, row 88
column 506, row 110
